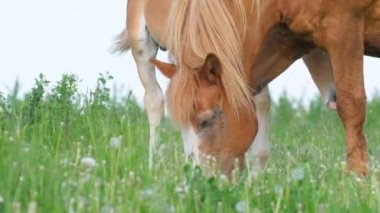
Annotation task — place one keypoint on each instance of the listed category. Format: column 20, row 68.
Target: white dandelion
column 278, row 189
column 115, row 142
column 297, row 174
column 88, row 162
column 241, row 206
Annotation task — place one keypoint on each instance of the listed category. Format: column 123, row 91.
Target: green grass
column 45, row 135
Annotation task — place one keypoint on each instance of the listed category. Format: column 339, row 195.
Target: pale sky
column 73, row 36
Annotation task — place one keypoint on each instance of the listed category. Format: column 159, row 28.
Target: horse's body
column 343, row 28
column 147, row 30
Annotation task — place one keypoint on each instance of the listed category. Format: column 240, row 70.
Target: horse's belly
column 372, row 45
column 156, row 15
column 372, row 30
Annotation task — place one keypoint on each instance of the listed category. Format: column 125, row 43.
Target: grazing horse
column 342, row 28
column 146, row 30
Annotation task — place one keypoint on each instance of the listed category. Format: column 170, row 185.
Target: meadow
column 62, row 151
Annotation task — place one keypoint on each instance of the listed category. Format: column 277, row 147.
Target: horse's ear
column 212, row 69
column 166, row 69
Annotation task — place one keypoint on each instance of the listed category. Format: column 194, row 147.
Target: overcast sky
column 73, row 36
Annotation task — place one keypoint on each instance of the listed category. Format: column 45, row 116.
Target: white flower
column 241, row 206
column 1, row 199
column 88, row 162
column 297, row 174
column 278, row 189
column 115, row 142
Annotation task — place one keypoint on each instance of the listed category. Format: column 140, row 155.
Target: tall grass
column 61, row 151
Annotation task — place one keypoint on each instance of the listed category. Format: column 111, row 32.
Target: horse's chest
column 301, row 18
column 302, row 25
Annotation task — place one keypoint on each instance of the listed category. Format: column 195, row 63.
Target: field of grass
column 61, row 151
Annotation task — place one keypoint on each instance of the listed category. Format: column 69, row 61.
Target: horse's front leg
column 258, row 152
column 342, row 37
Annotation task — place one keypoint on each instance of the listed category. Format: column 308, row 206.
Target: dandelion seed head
column 115, row 142
column 88, row 162
column 297, row 174
column 278, row 189
column 241, row 206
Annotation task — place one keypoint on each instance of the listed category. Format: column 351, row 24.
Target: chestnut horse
column 340, row 27
column 147, row 30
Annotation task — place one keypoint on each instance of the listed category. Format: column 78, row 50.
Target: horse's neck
column 259, row 24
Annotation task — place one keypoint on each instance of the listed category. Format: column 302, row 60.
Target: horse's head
column 223, row 134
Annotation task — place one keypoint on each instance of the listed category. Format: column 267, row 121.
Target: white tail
column 121, row 43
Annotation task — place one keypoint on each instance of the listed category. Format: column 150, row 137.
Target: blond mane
column 199, row 27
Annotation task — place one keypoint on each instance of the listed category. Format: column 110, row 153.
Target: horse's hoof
column 331, row 105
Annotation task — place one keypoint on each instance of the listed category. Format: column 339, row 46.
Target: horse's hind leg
column 144, row 48
column 343, row 40
column 319, row 65
column 257, row 154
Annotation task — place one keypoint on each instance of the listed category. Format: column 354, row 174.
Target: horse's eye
column 206, row 123
column 206, row 119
